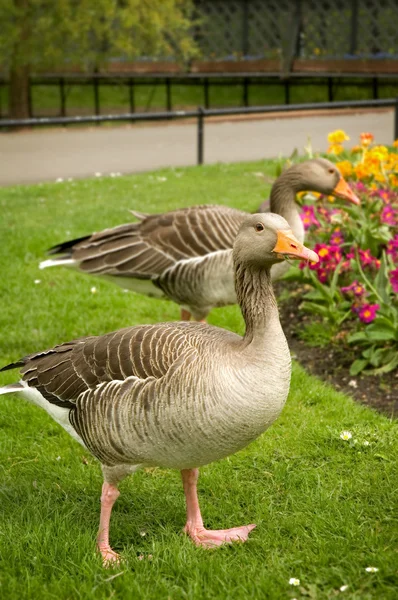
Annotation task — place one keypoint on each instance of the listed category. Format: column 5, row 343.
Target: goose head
column 321, row 175
column 266, row 238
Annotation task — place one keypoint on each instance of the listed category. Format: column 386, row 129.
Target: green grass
column 115, row 98
column 325, row 508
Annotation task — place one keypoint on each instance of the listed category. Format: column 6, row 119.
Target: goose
column 175, row 395
column 186, row 255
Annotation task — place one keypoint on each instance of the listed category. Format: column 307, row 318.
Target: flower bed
column 351, row 295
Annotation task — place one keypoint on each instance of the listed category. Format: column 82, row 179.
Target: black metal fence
column 200, row 114
column 297, row 28
column 372, row 84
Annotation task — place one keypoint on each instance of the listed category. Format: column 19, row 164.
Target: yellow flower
column 335, row 149
column 337, row 137
column 379, row 152
column 395, row 144
column 345, row 168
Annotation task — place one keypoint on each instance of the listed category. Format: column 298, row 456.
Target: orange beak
column 343, row 190
column 288, row 246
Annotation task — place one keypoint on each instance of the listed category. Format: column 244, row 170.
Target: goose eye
column 259, row 227
column 331, row 171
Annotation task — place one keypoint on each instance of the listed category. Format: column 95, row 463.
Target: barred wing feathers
column 156, row 243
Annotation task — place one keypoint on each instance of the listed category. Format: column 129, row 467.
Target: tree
column 43, row 34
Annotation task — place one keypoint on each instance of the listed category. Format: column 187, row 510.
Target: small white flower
column 93, row 290
column 142, row 533
column 37, row 281
column 366, row 443
column 353, row 383
column 343, row 588
column 58, row 458
column 59, row 180
column 294, row 581
column 98, row 174
column 161, row 178
column 346, row 435
column 371, row 569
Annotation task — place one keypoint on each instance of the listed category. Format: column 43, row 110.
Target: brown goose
column 177, row 395
column 186, row 255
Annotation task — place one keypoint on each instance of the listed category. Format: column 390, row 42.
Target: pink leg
column 108, row 498
column 186, row 316
column 194, row 526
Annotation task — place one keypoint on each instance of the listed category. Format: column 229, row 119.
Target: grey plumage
column 176, row 395
column 186, row 255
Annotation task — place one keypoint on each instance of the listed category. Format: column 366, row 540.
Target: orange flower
column 395, row 144
column 366, row 139
column 356, row 149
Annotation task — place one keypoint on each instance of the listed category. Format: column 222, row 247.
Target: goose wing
column 66, row 371
column 157, row 242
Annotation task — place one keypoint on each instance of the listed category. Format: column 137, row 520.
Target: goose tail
column 55, row 262
column 11, row 388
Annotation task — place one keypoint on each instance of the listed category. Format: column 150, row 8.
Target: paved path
column 45, row 155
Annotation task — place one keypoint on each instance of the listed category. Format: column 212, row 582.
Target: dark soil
column 332, row 363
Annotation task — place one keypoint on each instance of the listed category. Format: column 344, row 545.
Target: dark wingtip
column 58, row 248
column 15, row 365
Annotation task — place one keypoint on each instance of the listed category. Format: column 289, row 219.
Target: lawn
column 325, row 507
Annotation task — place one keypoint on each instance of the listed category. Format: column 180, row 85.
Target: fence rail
column 200, row 114
column 330, row 80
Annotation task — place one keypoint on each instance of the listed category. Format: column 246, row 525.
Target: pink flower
column 323, row 274
column 356, row 288
column 336, row 238
column 359, row 186
column 366, row 312
column 389, row 215
column 308, row 216
column 365, row 258
column 392, row 248
column 394, row 280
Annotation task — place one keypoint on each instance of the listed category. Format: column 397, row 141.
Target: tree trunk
column 19, row 96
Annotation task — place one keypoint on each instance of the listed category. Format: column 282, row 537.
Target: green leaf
column 381, row 280
column 358, row 366
column 359, row 336
column 315, row 308
column 388, row 367
column 380, row 335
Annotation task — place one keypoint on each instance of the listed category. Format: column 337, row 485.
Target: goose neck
column 283, row 200
column 257, row 302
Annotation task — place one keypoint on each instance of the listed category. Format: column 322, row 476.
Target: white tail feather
column 53, row 262
column 12, row 387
